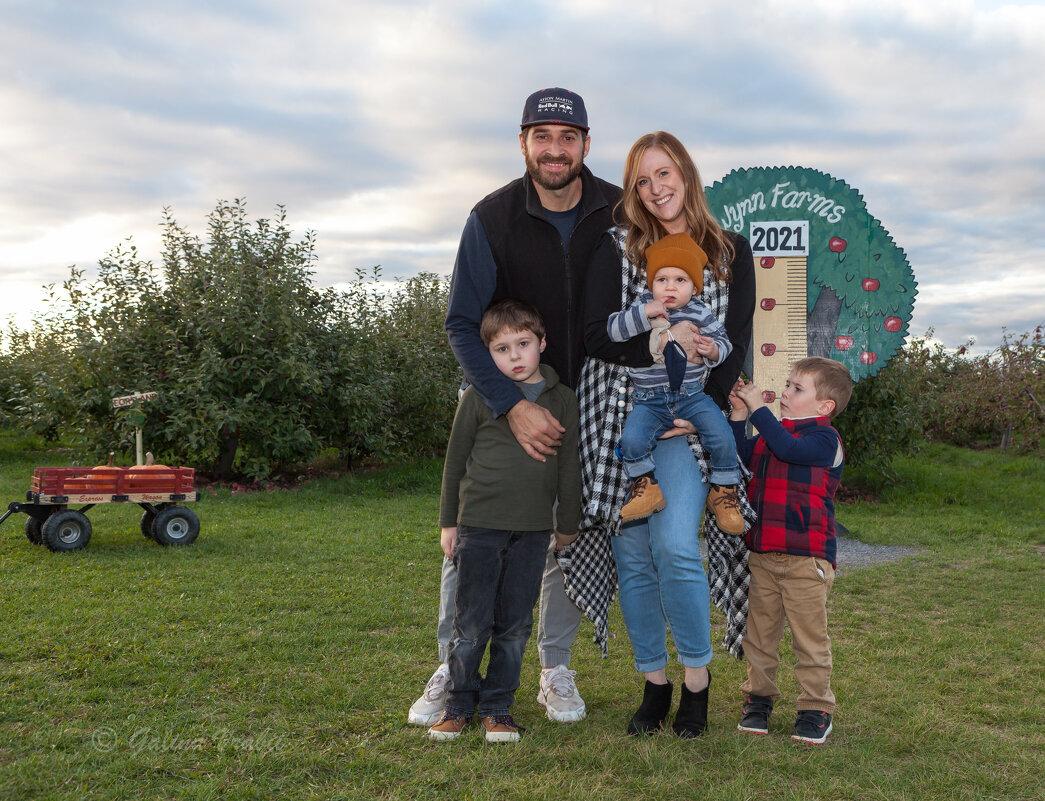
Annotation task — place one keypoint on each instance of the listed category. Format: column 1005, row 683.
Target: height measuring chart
column 830, row 281
column 781, row 251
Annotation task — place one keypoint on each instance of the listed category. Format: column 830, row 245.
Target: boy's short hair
column 515, row 315
column 832, row 380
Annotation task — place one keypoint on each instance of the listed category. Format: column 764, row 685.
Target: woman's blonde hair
column 644, row 229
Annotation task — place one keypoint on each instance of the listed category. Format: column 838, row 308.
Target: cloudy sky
column 379, row 125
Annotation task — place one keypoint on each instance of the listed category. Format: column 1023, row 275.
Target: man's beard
column 552, row 182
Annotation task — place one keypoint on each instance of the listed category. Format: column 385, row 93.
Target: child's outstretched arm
column 818, row 446
column 751, row 395
column 738, row 422
column 739, row 408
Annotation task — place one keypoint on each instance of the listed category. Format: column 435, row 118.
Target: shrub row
column 938, row 394
column 255, row 368
column 987, row 400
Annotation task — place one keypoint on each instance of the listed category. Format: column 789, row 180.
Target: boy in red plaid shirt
column 796, row 464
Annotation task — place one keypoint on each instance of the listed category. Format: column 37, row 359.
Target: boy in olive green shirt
column 496, row 513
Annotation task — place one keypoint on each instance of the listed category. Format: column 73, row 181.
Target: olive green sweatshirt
column 490, row 482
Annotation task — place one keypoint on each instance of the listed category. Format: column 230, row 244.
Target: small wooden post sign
column 135, row 416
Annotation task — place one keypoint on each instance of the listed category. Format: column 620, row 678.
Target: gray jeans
column 557, row 624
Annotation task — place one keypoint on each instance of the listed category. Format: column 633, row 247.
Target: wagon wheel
column 33, row 530
column 67, row 530
column 175, row 525
column 146, row 524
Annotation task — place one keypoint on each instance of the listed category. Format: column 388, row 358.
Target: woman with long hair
column 660, row 572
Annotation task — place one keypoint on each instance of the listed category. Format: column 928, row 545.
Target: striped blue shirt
column 632, row 321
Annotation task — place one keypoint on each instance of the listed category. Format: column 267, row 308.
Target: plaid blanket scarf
column 587, row 564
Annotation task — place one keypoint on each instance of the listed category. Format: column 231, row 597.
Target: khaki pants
column 795, row 587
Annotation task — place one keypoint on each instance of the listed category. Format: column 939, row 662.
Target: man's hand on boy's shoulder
column 447, row 540
column 536, row 429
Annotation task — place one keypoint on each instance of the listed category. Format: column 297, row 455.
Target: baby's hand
column 655, row 309
column 707, row 347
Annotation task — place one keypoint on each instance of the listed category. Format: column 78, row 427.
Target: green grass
column 277, row 656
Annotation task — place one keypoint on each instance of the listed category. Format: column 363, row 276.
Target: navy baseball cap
column 555, row 107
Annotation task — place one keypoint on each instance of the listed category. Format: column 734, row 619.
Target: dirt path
column 854, row 555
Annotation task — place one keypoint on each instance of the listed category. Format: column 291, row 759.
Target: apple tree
column 860, row 288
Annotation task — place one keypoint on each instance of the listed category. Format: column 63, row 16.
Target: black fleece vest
column 533, row 266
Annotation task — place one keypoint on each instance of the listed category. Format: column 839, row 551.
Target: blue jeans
column 557, row 621
column 652, row 413
column 498, row 580
column 660, row 570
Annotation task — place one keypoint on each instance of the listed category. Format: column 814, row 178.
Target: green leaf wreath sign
column 830, row 279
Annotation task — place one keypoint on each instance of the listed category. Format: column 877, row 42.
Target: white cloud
column 380, row 125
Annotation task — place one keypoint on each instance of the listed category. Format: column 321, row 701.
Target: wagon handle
column 12, row 507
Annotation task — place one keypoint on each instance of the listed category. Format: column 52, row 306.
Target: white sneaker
column 559, row 695
column 427, row 709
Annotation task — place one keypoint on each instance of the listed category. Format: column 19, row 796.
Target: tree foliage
column 883, row 419
column 981, row 401
column 933, row 393
column 256, row 369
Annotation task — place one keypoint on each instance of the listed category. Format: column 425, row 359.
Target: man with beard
column 530, row 240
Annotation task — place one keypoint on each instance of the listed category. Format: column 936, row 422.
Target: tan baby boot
column 724, row 503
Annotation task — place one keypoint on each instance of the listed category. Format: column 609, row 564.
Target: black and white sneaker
column 754, row 715
column 812, row 726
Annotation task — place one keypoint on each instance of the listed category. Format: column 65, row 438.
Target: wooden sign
column 137, row 397
column 135, row 416
column 830, row 281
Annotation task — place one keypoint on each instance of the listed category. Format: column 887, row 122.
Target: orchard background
column 260, row 373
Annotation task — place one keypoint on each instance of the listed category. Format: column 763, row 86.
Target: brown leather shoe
column 724, row 504
column 644, row 498
column 449, row 727
column 501, row 729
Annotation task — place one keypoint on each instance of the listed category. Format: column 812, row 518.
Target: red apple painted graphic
column 767, row 304
column 768, row 396
column 768, row 349
column 868, row 357
column 837, row 244
column 870, row 284
column 892, row 324
column 843, row 342
column 766, row 262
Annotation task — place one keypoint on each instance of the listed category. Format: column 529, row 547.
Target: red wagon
column 157, row 489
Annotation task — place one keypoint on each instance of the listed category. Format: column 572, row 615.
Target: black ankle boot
column 656, row 701
column 692, row 718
